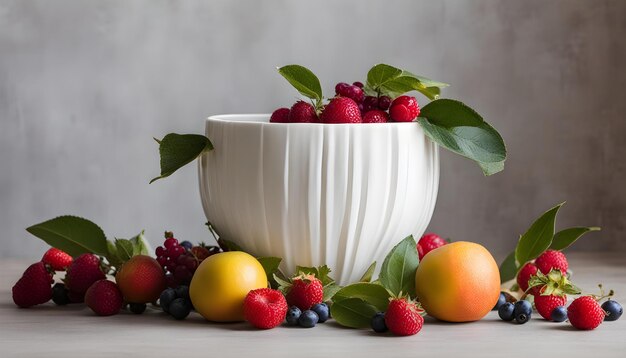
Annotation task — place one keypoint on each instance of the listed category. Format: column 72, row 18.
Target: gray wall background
column 85, row 85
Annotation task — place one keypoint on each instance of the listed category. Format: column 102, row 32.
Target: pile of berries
column 319, row 313
column 176, row 302
column 180, row 260
column 403, row 318
column 351, row 105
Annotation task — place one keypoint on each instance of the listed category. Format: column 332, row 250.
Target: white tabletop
column 74, row 331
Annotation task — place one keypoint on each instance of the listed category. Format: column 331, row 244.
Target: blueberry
column 506, row 311
column 322, row 311
column 166, row 298
column 60, row 294
column 186, row 244
column 180, row 308
column 182, row 292
column 522, row 311
column 501, row 301
column 559, row 314
column 613, row 310
column 137, row 308
column 308, row 319
column 292, row 315
column 378, row 322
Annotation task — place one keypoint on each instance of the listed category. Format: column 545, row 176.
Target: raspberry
column 524, row 275
column 305, row 291
column 404, row 109
column 545, row 304
column 427, row 243
column 376, row 116
column 551, row 259
column 265, row 308
column 57, row 259
column 104, row 298
column 341, row 110
column 34, row 287
column 280, row 115
column 585, row 313
column 83, row 272
column 302, row 112
column 403, row 317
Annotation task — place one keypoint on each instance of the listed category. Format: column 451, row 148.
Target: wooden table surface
column 74, row 331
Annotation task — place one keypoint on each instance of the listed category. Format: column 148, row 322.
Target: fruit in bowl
column 315, row 185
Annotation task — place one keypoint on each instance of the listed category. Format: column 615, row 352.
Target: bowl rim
column 263, row 119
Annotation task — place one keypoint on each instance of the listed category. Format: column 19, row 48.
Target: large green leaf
column 178, row 150
column 353, row 312
column 566, row 237
column 394, row 82
column 270, row 265
column 537, row 238
column 303, row 80
column 381, row 74
column 71, row 234
column 508, row 268
column 374, row 294
column 397, row 273
column 450, row 113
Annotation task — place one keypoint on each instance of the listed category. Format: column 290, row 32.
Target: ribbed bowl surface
column 314, row 194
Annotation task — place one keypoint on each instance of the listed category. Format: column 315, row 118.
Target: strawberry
column 57, row 259
column 545, row 304
column 341, row 110
column 280, row 115
column 551, row 259
column 428, row 243
column 585, row 313
column 305, row 291
column 551, row 290
column 34, row 287
column 200, row 253
column 83, row 272
column 376, row 116
column 265, row 308
column 404, row 109
column 523, row 276
column 104, row 298
column 302, row 112
column 403, row 317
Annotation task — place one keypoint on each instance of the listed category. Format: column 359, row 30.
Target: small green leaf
column 407, row 82
column 303, row 80
column 564, row 238
column 381, row 74
column 124, row 249
column 367, row 276
column 140, row 245
column 227, row 245
column 178, row 150
column 374, row 294
column 508, row 268
column 353, row 312
column 397, row 273
column 283, row 284
column 112, row 255
column 71, row 234
column 330, row 291
column 321, row 272
column 270, row 265
column 537, row 238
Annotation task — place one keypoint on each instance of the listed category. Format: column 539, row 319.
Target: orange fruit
column 221, row 283
column 458, row 282
column 141, row 279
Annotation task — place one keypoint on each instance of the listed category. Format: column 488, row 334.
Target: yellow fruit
column 221, row 283
column 458, row 282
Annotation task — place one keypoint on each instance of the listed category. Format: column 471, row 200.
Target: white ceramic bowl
column 314, row 194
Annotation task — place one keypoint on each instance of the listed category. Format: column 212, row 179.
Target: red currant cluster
column 180, row 260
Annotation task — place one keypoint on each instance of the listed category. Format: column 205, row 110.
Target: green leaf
column 320, row 272
column 449, row 113
column 178, row 150
column 270, row 265
column 491, row 168
column 283, row 284
column 538, row 237
column 227, row 245
column 71, row 234
column 381, row 74
column 330, row 291
column 367, row 276
column 374, row 294
column 124, row 249
column 397, row 273
column 508, row 268
column 140, row 245
column 564, row 238
column 112, row 255
column 303, row 80
column 353, row 312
